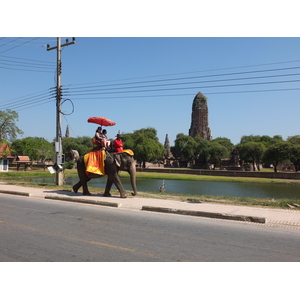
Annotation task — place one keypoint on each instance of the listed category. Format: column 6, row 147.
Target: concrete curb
column 80, row 200
column 206, row 214
column 243, row 218
column 16, row 193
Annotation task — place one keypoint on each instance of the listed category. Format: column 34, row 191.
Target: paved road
column 47, row 230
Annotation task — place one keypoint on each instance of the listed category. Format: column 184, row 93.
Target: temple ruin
column 199, row 123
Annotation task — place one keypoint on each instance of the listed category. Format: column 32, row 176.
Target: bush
column 69, row 164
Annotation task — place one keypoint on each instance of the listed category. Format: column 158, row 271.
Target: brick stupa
column 199, row 124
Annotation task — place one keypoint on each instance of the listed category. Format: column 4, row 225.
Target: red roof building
column 5, row 157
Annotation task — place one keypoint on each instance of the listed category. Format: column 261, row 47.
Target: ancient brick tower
column 199, row 124
column 168, row 147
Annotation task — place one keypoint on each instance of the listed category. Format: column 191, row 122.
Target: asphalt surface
column 287, row 218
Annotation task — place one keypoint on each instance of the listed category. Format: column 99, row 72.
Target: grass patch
column 192, row 177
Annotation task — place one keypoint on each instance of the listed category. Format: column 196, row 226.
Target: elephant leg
column 108, row 188
column 85, row 188
column 115, row 179
column 77, row 186
column 83, row 178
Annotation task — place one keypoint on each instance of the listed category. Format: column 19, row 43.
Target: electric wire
column 132, row 88
column 34, row 105
column 27, row 70
column 23, row 101
column 186, row 94
column 194, row 82
column 22, row 64
column 182, row 88
column 19, row 45
column 27, row 104
column 28, row 59
column 52, row 99
column 193, row 77
column 201, row 71
column 47, row 100
column 10, row 42
column 31, row 65
column 25, row 64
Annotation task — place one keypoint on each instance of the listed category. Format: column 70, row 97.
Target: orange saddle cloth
column 94, row 162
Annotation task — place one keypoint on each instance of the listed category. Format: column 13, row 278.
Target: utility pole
column 58, row 140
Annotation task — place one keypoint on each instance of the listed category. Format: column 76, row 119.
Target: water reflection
column 234, row 189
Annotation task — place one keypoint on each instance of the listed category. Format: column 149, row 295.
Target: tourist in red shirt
column 118, row 144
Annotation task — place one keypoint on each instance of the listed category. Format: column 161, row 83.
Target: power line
column 32, row 104
column 78, row 92
column 24, row 63
column 19, row 45
column 25, row 100
column 32, row 43
column 181, row 95
column 8, row 43
column 185, row 78
column 28, row 70
column 181, row 88
column 201, row 71
column 193, row 82
column 28, row 59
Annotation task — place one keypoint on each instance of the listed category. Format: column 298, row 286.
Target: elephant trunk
column 132, row 172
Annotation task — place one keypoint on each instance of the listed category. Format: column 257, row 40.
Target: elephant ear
column 118, row 160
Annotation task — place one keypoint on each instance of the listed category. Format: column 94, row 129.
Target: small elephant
column 113, row 164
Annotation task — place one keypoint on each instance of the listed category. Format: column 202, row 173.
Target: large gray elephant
column 113, row 164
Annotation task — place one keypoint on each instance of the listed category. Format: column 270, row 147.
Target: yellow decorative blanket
column 94, row 162
column 128, row 151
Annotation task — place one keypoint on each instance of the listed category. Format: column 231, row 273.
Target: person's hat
column 118, row 135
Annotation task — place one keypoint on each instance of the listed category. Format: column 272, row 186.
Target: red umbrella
column 101, row 121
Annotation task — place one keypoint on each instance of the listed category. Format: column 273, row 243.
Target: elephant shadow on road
column 73, row 194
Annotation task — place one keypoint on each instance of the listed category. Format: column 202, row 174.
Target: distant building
column 68, row 131
column 199, row 122
column 5, row 157
column 22, row 161
column 168, row 147
column 169, row 160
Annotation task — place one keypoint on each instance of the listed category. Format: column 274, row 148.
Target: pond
column 190, row 187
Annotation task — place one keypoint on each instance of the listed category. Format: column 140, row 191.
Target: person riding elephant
column 118, row 144
column 113, row 163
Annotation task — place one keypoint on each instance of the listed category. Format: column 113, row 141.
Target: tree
column 295, row 139
column 217, row 152
column 252, row 152
column 276, row 154
column 265, row 139
column 128, row 141
column 294, row 155
column 249, row 138
column 186, row 146
column 36, row 148
column 82, row 144
column 145, row 145
column 202, row 148
column 226, row 143
column 5, row 150
column 8, row 128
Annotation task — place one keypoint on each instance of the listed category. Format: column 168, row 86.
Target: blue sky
column 98, row 73
column 142, row 74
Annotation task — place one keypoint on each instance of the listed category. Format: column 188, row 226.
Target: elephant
column 113, row 164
